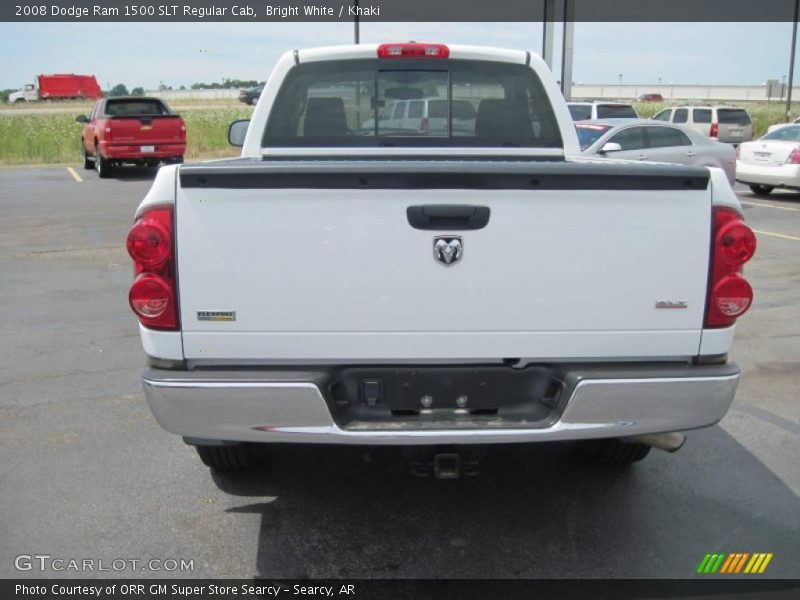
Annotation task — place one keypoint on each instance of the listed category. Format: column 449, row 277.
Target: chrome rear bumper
column 599, row 402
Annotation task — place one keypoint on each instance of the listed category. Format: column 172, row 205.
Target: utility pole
column 791, row 61
column 567, row 45
column 356, row 32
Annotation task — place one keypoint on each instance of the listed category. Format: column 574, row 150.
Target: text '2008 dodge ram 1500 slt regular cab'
column 361, row 277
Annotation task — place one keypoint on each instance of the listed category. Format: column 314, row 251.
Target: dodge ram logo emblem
column 447, row 250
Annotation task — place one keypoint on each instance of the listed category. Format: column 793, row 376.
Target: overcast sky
column 145, row 54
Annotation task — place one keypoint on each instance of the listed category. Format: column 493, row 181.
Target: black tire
column 101, row 165
column 613, row 451
column 228, row 458
column 761, row 190
column 88, row 163
column 254, row 101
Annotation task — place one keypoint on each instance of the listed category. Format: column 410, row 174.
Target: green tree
column 137, row 91
column 117, row 90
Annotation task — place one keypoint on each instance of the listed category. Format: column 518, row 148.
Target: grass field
column 53, row 137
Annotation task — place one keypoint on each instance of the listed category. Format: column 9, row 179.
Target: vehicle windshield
column 616, row 111
column 790, row 133
column 580, row 112
column 414, row 102
column 733, row 116
column 125, row 108
column 588, row 134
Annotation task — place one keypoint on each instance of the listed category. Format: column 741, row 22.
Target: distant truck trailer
column 59, row 87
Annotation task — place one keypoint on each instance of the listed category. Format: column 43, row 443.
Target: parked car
column 650, row 98
column 58, row 87
column 727, row 124
column 251, row 95
column 642, row 139
column 425, row 115
column 433, row 289
column 773, row 161
column 131, row 129
column 583, row 111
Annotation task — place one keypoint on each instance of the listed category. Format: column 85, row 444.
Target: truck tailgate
column 152, row 129
column 317, row 261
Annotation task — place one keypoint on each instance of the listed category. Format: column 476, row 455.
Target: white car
column 773, row 161
column 584, row 111
column 361, row 286
column 425, row 116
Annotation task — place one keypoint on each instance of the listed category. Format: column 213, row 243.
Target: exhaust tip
column 668, row 442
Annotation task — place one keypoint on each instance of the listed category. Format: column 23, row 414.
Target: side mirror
column 610, row 147
column 236, row 132
column 82, row 119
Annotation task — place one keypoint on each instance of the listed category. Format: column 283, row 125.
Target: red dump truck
column 59, row 87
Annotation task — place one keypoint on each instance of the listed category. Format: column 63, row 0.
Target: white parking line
column 778, row 235
column 74, row 174
column 770, row 206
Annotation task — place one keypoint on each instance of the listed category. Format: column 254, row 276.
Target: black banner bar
column 403, row 589
column 392, row 10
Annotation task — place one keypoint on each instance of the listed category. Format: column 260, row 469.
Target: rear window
column 616, row 111
column 733, row 116
column 470, row 103
column 588, row 134
column 580, row 112
column 790, row 133
column 135, row 108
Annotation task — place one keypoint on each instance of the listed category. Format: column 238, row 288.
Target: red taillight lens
column 794, row 157
column 153, row 295
column 413, row 50
column 714, row 130
column 149, row 243
column 732, row 296
column 152, row 298
column 734, row 243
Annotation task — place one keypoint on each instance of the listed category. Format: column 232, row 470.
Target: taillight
column 733, row 244
column 153, row 295
column 413, row 50
column 423, row 124
column 714, row 132
column 794, row 157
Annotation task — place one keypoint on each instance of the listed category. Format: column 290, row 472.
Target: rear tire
column 228, row 458
column 613, row 452
column 101, row 165
column 254, row 101
column 761, row 190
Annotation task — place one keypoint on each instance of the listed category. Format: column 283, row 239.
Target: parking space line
column 74, row 174
column 770, row 206
column 778, row 235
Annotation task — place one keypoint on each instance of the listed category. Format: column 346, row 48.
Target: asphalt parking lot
column 87, row 473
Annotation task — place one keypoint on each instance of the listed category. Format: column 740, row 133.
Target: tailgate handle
column 448, row 217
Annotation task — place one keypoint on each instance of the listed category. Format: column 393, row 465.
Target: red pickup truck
column 138, row 130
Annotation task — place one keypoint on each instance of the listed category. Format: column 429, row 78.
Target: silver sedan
column 642, row 139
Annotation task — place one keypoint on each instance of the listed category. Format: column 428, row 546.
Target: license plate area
column 147, row 149
column 444, row 397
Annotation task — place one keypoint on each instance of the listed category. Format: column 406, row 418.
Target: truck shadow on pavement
column 533, row 511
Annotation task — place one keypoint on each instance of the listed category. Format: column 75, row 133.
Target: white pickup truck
column 359, row 278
